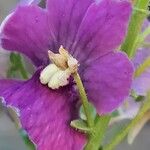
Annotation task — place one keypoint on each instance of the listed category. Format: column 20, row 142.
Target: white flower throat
column 57, row 74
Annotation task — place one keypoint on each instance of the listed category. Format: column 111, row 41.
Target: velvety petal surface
column 32, row 30
column 26, row 30
column 83, row 27
column 45, row 114
column 108, row 80
column 66, row 17
column 103, row 28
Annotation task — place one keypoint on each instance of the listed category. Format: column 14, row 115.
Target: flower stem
column 122, row 134
column 98, row 133
column 98, row 125
column 84, row 99
column 130, row 44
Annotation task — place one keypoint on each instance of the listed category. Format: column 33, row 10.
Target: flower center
column 58, row 72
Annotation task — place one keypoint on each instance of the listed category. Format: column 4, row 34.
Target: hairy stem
column 98, row 133
column 97, row 126
column 84, row 99
column 129, row 46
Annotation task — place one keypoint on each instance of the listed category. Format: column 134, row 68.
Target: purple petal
column 45, row 114
column 129, row 109
column 66, row 17
column 141, row 55
column 26, row 30
column 103, row 29
column 141, row 84
column 32, row 31
column 79, row 25
column 108, row 80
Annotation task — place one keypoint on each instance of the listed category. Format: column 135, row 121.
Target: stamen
column 57, row 74
column 47, row 73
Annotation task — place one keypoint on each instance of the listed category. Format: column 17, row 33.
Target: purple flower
column 91, row 31
column 141, row 84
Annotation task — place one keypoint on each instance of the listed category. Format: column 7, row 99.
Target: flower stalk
column 130, row 44
column 98, row 125
column 97, row 133
column 84, row 99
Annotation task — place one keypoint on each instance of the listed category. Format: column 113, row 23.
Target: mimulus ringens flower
column 90, row 31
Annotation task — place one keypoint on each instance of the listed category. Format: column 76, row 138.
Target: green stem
column 129, row 46
column 98, row 133
column 98, row 127
column 84, row 99
column 122, row 134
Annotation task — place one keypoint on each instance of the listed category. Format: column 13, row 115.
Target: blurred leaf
column 16, row 67
column 91, row 109
column 27, row 140
column 115, row 113
column 80, row 125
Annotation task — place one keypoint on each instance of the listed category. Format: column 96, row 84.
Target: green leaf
column 91, row 109
column 16, row 66
column 80, row 125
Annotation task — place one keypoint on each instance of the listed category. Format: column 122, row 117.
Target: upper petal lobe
column 26, row 30
column 66, row 17
column 102, row 30
column 84, row 27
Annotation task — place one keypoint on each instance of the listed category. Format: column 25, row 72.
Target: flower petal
column 102, row 29
column 141, row 55
column 108, row 80
column 141, row 83
column 26, row 30
column 66, row 17
column 45, row 114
